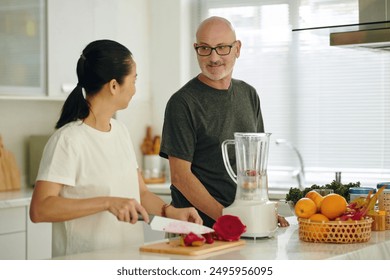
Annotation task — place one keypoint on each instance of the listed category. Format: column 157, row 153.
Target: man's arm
column 190, row 186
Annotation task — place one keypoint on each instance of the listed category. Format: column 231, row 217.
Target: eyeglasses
column 220, row 50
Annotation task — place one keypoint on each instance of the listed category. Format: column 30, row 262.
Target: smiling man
column 201, row 115
column 217, row 50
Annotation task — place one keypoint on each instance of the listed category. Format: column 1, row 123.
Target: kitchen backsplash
column 21, row 119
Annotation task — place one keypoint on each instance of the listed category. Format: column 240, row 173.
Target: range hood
column 367, row 36
column 373, row 28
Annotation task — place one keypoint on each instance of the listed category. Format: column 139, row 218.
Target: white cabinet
column 22, row 40
column 38, row 240
column 12, row 219
column 13, row 233
column 13, row 246
column 20, row 239
column 71, row 25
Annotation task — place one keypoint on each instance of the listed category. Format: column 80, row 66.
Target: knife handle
column 141, row 218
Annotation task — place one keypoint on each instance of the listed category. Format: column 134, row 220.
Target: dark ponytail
column 100, row 62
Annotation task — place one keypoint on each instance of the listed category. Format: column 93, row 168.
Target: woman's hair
column 100, row 62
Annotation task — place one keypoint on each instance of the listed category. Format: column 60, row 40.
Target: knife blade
column 177, row 226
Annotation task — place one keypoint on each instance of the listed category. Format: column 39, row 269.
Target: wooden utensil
column 3, row 186
column 156, row 145
column 173, row 247
column 147, row 144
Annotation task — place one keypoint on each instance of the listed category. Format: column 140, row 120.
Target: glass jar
column 359, row 192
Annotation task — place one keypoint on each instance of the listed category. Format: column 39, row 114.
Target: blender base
column 260, row 218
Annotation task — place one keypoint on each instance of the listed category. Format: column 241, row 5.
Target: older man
column 201, row 115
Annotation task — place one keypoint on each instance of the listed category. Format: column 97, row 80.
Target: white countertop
column 15, row 198
column 160, row 189
column 22, row 197
column 164, row 189
column 284, row 245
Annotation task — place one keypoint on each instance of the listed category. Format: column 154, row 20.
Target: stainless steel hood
column 373, row 28
column 377, row 38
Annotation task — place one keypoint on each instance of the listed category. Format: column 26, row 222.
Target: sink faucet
column 299, row 174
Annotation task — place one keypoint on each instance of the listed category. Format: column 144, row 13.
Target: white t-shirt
column 91, row 163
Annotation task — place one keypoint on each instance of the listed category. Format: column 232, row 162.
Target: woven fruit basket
column 335, row 231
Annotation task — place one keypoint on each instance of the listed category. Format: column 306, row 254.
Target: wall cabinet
column 20, row 239
column 22, row 43
column 71, row 25
column 60, row 30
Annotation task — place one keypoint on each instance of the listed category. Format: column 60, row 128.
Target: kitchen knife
column 176, row 226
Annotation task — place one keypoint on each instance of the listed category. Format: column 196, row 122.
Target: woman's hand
column 189, row 214
column 126, row 209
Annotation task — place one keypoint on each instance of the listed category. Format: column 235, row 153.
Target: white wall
column 172, row 62
column 126, row 21
column 171, row 54
column 158, row 33
column 21, row 118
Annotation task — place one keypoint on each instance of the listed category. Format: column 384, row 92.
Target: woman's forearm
column 59, row 209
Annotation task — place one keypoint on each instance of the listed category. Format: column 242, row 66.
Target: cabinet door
column 22, row 41
column 13, row 246
column 12, row 219
column 13, row 233
column 70, row 27
column 72, row 24
column 38, row 240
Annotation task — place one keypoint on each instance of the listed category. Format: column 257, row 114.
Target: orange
column 316, row 197
column 333, row 205
column 305, row 207
column 318, row 218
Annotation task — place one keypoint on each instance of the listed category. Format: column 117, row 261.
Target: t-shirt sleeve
column 179, row 131
column 59, row 161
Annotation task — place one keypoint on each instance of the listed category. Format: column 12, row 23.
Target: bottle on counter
column 384, row 201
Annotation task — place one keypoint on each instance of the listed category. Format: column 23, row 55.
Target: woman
column 88, row 178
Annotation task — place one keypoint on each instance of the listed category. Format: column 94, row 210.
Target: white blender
column 251, row 204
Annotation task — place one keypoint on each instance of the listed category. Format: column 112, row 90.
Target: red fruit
column 209, row 238
column 229, row 228
column 192, row 239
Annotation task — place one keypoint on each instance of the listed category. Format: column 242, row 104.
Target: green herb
column 295, row 194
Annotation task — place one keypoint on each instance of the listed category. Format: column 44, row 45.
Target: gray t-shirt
column 198, row 118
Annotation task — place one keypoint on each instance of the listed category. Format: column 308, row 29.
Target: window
column 22, row 44
column 329, row 102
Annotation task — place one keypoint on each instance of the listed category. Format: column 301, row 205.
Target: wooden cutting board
column 173, row 247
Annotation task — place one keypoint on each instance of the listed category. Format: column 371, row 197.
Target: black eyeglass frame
column 215, row 49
